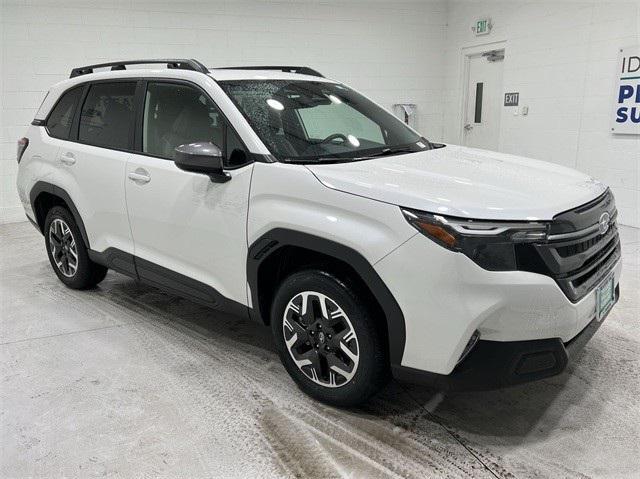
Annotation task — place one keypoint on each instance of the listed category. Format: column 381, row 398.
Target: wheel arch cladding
column 268, row 255
column 44, row 196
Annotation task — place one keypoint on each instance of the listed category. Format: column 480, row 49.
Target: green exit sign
column 483, row 26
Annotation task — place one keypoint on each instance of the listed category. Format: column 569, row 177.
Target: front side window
column 107, row 115
column 314, row 121
column 61, row 117
column 177, row 114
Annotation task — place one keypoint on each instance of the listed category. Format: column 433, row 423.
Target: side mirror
column 202, row 157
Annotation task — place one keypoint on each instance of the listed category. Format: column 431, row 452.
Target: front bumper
column 445, row 297
column 495, row 364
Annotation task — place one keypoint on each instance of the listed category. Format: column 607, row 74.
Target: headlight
column 491, row 244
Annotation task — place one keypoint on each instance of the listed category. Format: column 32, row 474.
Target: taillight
column 22, row 145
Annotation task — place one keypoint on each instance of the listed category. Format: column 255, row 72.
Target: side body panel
column 289, row 196
column 95, row 181
column 188, row 224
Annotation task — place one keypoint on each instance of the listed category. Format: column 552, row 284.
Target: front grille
column 577, row 255
column 574, row 249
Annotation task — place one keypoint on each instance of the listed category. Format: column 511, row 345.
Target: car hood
column 465, row 182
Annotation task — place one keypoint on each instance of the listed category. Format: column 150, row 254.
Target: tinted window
column 107, row 115
column 177, row 114
column 60, row 119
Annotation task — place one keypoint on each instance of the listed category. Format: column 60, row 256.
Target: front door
column 484, row 100
column 189, row 233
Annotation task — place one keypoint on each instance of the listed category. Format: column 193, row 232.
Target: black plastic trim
column 44, row 187
column 286, row 69
column 115, row 259
column 168, row 280
column 277, row 238
column 177, row 63
column 35, row 225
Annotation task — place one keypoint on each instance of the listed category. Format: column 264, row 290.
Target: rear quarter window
column 61, row 117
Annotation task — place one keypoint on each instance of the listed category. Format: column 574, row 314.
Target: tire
column 67, row 252
column 335, row 354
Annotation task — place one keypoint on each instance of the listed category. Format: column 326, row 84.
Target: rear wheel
column 67, row 252
column 328, row 339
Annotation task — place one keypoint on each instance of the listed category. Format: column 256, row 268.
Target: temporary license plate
column 605, row 298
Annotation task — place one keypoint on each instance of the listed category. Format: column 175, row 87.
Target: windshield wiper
column 315, row 160
column 389, row 151
column 346, row 159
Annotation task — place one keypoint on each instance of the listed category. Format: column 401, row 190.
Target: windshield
column 318, row 121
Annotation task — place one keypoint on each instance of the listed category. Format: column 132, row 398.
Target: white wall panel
column 561, row 57
column 392, row 51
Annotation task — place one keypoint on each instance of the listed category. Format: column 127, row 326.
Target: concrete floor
column 126, row 381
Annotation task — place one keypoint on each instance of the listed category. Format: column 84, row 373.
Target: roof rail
column 179, row 63
column 288, row 69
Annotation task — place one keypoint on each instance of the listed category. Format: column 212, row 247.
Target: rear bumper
column 497, row 364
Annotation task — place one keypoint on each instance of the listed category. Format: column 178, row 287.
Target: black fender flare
column 277, row 238
column 44, row 187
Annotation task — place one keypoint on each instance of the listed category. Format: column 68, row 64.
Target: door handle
column 140, row 176
column 468, row 127
column 68, row 159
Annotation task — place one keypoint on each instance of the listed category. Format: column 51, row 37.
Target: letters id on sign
column 626, row 108
column 511, row 99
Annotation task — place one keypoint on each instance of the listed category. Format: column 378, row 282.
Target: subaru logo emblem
column 603, row 223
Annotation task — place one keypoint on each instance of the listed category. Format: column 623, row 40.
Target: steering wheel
column 335, row 136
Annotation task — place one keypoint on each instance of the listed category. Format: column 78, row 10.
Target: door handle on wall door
column 140, row 176
column 468, row 127
column 68, row 159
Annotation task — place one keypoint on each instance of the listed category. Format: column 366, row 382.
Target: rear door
column 189, row 232
column 95, row 160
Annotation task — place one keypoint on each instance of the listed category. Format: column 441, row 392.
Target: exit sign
column 482, row 26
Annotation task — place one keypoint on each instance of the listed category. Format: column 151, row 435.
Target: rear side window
column 107, row 115
column 61, row 117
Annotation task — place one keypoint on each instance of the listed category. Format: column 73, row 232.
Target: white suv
column 277, row 194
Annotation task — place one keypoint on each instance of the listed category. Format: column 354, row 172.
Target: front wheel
column 328, row 338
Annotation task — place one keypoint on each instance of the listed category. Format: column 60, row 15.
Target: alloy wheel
column 63, row 247
column 320, row 338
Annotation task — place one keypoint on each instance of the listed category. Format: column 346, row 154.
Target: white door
column 484, row 101
column 183, row 222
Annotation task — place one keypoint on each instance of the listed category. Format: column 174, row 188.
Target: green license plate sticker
column 605, row 298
